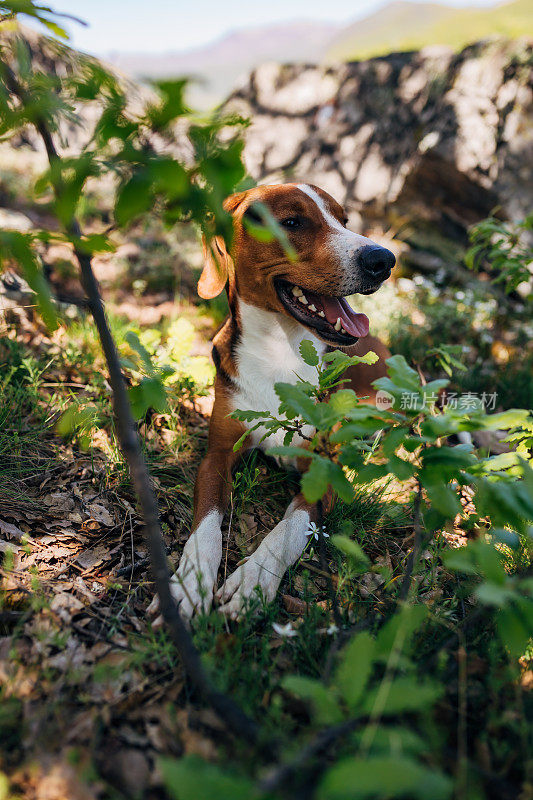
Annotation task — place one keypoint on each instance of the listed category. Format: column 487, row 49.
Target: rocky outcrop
column 422, row 143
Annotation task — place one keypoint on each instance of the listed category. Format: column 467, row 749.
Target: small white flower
column 284, row 630
column 315, row 530
column 332, row 630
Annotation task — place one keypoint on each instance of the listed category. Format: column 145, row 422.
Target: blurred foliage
column 507, row 250
column 164, row 365
column 160, row 159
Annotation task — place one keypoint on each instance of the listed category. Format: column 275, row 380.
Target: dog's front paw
column 256, row 577
column 192, row 590
column 193, row 583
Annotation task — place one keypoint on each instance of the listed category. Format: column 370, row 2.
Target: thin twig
column 415, row 551
column 325, row 567
column 130, row 444
column 322, row 742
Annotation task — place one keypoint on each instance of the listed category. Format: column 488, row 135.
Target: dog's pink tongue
column 354, row 323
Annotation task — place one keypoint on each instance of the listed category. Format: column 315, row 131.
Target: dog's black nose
column 377, row 262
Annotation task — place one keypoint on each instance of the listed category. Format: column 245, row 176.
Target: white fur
column 265, row 568
column 268, row 353
column 194, row 581
column 343, row 242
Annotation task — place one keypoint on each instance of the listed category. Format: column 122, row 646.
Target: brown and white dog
column 274, row 304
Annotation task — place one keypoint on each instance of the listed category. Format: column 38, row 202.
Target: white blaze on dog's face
column 345, row 243
column 332, row 262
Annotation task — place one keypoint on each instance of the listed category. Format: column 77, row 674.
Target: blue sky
column 158, row 25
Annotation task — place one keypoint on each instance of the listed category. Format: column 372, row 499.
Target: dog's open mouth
column 331, row 317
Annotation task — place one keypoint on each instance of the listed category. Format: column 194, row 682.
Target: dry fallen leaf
column 91, row 558
column 101, row 514
column 66, row 602
column 11, row 531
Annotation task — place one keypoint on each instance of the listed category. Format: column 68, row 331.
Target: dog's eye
column 291, row 222
column 345, row 221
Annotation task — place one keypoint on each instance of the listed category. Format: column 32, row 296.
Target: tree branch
column 321, row 743
column 417, row 544
column 240, row 724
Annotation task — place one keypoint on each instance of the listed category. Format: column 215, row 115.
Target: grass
column 99, row 663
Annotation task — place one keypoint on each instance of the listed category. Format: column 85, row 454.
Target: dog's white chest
column 268, row 353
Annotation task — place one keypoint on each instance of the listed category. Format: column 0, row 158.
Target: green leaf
column 320, row 475
column 401, row 374
column 19, row 247
column 337, row 356
column 369, row 472
column 457, row 457
column 343, row 401
column 133, row 198
column 392, row 440
column 248, row 416
column 491, row 594
column 398, row 631
column 403, row 470
column 297, row 399
column 192, row 778
column 352, row 550
column 514, row 632
column 490, row 562
column 405, row 695
column 240, row 441
column 382, row 777
column 355, row 430
column 273, row 226
column 316, row 480
column 354, row 669
column 291, row 451
column 442, row 497
column 149, row 393
column 173, row 104
column 308, row 353
column 505, row 419
column 340, row 483
column 323, row 700
column 135, row 343
column 460, row 560
column 368, row 358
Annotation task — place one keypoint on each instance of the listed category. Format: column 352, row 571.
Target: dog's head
column 328, row 261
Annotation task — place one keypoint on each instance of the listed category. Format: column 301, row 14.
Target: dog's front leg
column 263, row 570
column 193, row 583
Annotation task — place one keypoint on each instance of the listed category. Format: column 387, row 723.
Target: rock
column 435, row 136
column 14, row 221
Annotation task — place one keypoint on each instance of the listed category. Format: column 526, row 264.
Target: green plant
column 358, row 715
column 411, row 446
column 506, row 248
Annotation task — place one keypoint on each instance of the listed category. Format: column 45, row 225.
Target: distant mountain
column 404, row 26
column 401, row 25
column 220, row 64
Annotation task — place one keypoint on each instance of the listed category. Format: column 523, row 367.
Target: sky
column 160, row 25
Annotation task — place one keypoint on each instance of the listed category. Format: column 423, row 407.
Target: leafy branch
column 241, row 725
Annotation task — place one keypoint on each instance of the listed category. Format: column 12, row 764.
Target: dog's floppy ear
column 217, row 260
column 217, row 263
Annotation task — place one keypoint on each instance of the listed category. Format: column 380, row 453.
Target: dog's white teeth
column 312, row 307
column 297, row 292
column 321, row 314
column 338, row 325
column 303, row 299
